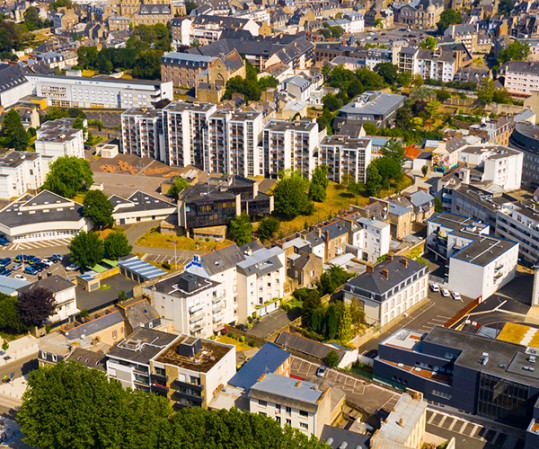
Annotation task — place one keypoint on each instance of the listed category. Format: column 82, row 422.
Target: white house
column 58, row 138
column 20, row 172
column 140, row 206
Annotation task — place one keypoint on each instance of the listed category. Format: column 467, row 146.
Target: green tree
column 36, row 305
column 241, row 229
column 357, row 315
column 5, row 346
column 505, row 7
column 331, row 359
column 438, row 205
column 448, row 17
column 55, row 113
column 291, row 197
column 331, row 102
column 515, row 51
column 332, row 279
column 374, row 181
column 32, row 19
column 98, row 209
column 429, row 43
column 394, row 150
column 317, row 193
column 10, row 318
column 432, row 108
column 336, row 31
column 179, row 184
column 148, row 65
column 69, row 175
column 267, row 228
column 485, row 90
column 189, row 6
column 86, row 250
column 388, row 71
column 311, row 302
column 425, row 170
column 331, row 320
column 442, row 95
column 13, row 134
column 116, row 245
column 319, row 184
column 404, row 79
column 344, row 325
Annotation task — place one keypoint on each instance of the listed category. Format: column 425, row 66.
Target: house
column 139, row 312
column 478, row 263
column 63, row 292
column 58, row 138
column 89, row 359
column 196, row 305
column 389, row 289
column 299, row 404
column 305, row 268
column 45, row 216
column 423, row 13
column 370, row 237
column 140, row 206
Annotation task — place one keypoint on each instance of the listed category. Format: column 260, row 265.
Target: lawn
column 154, row 239
column 513, row 333
column 232, row 341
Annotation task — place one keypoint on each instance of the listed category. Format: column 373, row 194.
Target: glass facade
column 502, row 399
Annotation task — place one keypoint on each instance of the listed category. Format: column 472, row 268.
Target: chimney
column 400, row 422
column 404, row 261
column 389, row 257
column 385, row 273
column 370, row 269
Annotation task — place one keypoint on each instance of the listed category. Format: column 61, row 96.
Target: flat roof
column 284, row 125
column 142, row 268
column 170, row 285
column 287, row 387
column 402, row 420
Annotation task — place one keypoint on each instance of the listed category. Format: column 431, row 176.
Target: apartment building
column 478, row 264
column 345, row 155
column 519, row 222
column 13, row 85
column 197, row 306
column 299, row 404
column 387, row 290
column 20, row 172
column 142, row 133
column 76, row 91
column 373, row 238
column 525, row 138
column 183, row 68
column 436, row 64
column 261, row 279
column 521, row 77
column 58, row 138
column 423, row 14
column 289, row 146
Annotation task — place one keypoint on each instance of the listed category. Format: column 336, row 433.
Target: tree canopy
column 515, row 51
column 267, row 228
column 68, row 406
column 98, row 209
column 241, row 229
column 36, row 305
column 319, row 184
column 291, row 198
column 86, row 250
column 69, row 175
column 448, row 17
column 251, row 87
column 388, row 71
column 116, row 245
column 13, row 134
column 10, row 318
column 178, row 185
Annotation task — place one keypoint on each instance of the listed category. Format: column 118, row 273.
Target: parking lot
column 365, row 395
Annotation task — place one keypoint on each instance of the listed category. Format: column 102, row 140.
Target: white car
column 445, row 292
column 434, row 287
column 72, row 267
column 456, row 296
column 20, row 277
column 47, row 262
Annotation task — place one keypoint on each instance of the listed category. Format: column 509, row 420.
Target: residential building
column 525, row 138
column 63, row 292
column 374, row 107
column 45, row 216
column 197, row 306
column 13, row 85
column 142, row 133
column 423, row 14
column 21, row 172
column 289, row 146
column 261, row 277
column 58, row 138
column 345, row 155
column 476, row 374
column 140, row 206
column 305, row 268
column 387, row 290
column 479, row 264
column 190, row 371
column 301, row 88
column 521, row 77
column 436, row 64
column 218, row 201
column 371, row 237
column 299, row 404
column 519, row 222
column 73, row 91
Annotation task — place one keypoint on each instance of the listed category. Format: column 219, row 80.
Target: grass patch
column 104, row 287
column 514, row 333
column 79, row 197
column 154, row 239
column 93, row 140
column 240, row 346
column 165, row 265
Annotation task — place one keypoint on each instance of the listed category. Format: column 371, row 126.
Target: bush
column 230, row 334
column 252, row 343
column 242, row 338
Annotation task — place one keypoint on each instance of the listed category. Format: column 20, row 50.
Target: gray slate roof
column 54, row 283
column 302, row 344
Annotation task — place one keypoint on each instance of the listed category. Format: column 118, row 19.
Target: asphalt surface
column 271, row 323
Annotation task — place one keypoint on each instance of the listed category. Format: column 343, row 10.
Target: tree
column 241, row 229
column 116, row 245
column 291, row 198
column 374, row 181
column 505, row 7
column 432, row 108
column 425, row 170
column 189, row 6
column 317, row 193
column 311, row 302
column 331, row 320
column 319, row 184
column 331, row 102
column 404, row 79
column 515, row 51
column 36, row 305
column 86, row 249
column 13, row 134
column 394, row 150
column 448, row 17
column 69, row 175
column 5, row 346
column 98, row 209
column 10, row 318
column 331, row 359
column 336, row 31
column 178, row 185
column 485, row 90
column 267, row 228
column 388, row 71
column 32, row 19
column 429, row 43
column 332, row 279
column 442, row 95
column 344, row 324
column 357, row 315
column 417, row 122
column 148, row 65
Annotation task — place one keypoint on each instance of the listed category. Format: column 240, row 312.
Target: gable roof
column 54, row 283
column 306, row 346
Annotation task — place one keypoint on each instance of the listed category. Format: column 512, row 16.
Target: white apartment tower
column 345, row 155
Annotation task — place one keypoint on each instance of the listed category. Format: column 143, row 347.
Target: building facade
column 344, row 155
column 21, row 172
column 58, row 138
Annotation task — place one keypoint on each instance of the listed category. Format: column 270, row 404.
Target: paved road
column 20, row 367
column 271, row 323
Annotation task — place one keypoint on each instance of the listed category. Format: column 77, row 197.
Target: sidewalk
column 8, row 429
column 15, row 388
column 18, row 349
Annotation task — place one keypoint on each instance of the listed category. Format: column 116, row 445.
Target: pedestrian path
column 18, row 349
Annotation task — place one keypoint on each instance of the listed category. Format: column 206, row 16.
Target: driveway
column 271, row 323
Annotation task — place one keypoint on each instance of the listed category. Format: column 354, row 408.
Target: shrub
column 242, row 338
column 252, row 343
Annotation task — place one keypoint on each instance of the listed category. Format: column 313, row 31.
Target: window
column 262, row 403
column 289, row 422
column 303, row 413
column 278, row 419
column 303, row 425
column 288, row 410
column 114, row 334
column 277, row 408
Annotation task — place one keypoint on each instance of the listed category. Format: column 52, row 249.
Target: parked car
column 40, row 266
column 47, row 262
column 87, row 147
column 3, row 242
column 55, row 258
column 434, row 287
column 321, row 371
column 6, row 272
column 33, row 260
column 456, row 296
column 16, row 267
column 72, row 267
column 445, row 292
column 20, row 277
column 5, row 261
column 30, row 270
column 20, row 258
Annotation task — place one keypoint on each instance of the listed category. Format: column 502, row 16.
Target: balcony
column 218, row 317
column 160, row 390
column 158, row 379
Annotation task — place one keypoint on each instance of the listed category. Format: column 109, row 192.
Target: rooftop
column 373, row 103
column 54, row 283
column 184, row 285
column 143, row 269
column 284, row 125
